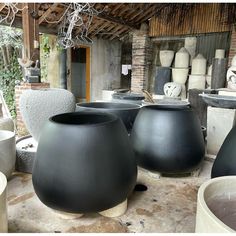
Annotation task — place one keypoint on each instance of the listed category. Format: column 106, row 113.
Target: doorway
column 80, row 73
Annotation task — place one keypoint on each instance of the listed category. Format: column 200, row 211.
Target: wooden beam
column 147, row 13
column 46, row 13
column 100, row 28
column 116, row 8
column 117, row 34
column 30, row 31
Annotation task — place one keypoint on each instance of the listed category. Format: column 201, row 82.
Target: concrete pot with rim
column 7, row 152
column 180, row 75
column 3, row 204
column 166, row 57
column 210, row 205
column 38, row 105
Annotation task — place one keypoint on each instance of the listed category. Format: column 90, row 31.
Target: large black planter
column 84, row 163
column 167, row 139
column 225, row 162
column 126, row 111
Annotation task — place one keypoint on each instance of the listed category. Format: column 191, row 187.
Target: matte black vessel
column 225, row 162
column 84, row 163
column 168, row 139
column 127, row 112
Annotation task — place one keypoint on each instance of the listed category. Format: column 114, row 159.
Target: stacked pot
column 163, row 73
column 197, row 79
column 180, row 71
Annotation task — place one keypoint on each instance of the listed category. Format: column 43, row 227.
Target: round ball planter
column 7, row 152
column 84, row 163
column 36, row 106
column 225, row 162
column 127, row 112
column 3, row 204
column 168, row 139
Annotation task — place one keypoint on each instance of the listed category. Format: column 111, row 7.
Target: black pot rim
column 126, row 106
column 168, row 107
column 109, row 118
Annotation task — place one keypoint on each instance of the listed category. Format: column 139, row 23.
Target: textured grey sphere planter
column 7, row 152
column 37, row 106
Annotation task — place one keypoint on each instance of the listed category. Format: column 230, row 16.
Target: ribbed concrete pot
column 7, row 152
column 182, row 58
column 180, row 75
column 7, row 124
column 37, row 106
column 166, row 57
column 3, row 204
column 199, row 65
column 196, row 82
column 213, row 198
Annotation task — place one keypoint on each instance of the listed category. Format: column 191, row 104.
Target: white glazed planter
column 219, row 53
column 37, row 106
column 196, row 82
column 180, row 75
column 199, row 65
column 3, row 204
column 7, row 124
column 7, row 152
column 166, row 57
column 172, row 89
column 206, row 221
column 182, row 58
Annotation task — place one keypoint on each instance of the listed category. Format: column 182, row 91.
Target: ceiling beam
column 2, row 5
column 46, row 13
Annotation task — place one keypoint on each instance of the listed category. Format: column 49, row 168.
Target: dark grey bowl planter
column 84, row 163
column 125, row 111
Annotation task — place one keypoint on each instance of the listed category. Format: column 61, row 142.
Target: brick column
column 21, row 128
column 232, row 50
column 140, row 59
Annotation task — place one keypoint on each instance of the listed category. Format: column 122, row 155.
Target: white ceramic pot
column 213, row 191
column 166, row 57
column 180, row 75
column 107, row 95
column 199, row 65
column 37, row 106
column 7, row 152
column 172, row 89
column 7, row 124
column 182, row 58
column 196, row 82
column 219, row 53
column 3, row 204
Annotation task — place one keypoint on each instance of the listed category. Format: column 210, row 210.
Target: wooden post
column 30, row 31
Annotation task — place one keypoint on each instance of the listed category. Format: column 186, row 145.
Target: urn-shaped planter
column 7, row 152
column 182, row 58
column 196, row 82
column 167, row 139
column 225, row 162
column 199, row 65
column 36, row 106
column 84, row 163
column 180, row 75
column 127, row 112
column 166, row 57
column 3, row 204
column 216, row 206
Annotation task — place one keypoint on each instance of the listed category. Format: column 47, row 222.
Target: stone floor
column 167, row 206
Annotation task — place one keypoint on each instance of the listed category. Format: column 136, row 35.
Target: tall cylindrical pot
column 84, row 163
column 182, row 58
column 199, row 65
column 219, row 70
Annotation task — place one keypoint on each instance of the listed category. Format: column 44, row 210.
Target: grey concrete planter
column 3, row 204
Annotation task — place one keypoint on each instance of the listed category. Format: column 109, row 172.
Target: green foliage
column 10, row 36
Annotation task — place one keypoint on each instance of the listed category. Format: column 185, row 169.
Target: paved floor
column 168, row 206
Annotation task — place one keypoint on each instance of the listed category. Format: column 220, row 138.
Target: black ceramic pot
column 168, row 139
column 84, row 163
column 225, row 162
column 125, row 111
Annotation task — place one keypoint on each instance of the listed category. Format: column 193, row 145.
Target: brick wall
column 140, row 60
column 232, row 50
column 21, row 128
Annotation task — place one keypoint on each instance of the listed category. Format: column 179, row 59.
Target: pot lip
column 3, row 184
column 9, row 135
column 201, row 199
column 170, row 107
column 133, row 106
column 113, row 118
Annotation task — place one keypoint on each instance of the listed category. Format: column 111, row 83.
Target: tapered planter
column 84, row 163
column 199, row 65
column 36, row 106
column 166, row 57
column 7, row 152
column 216, row 206
column 225, row 162
column 127, row 112
column 182, row 58
column 3, row 204
column 196, row 82
column 167, row 139
column 180, row 75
